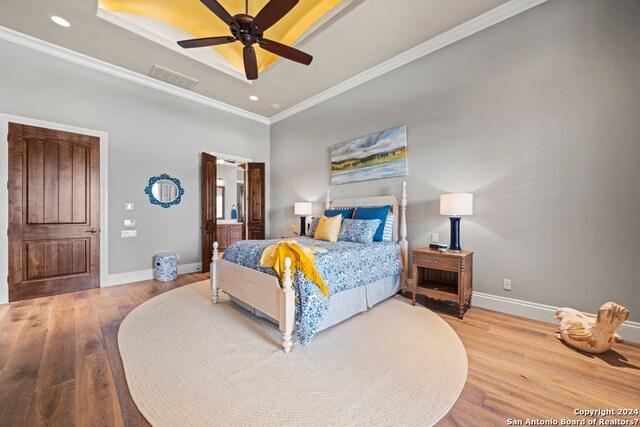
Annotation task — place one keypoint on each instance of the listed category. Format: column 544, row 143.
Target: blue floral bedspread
column 345, row 265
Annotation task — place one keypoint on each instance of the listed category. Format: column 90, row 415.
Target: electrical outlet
column 177, row 257
column 129, row 222
column 435, row 238
column 128, row 234
column 507, row 284
column 128, row 206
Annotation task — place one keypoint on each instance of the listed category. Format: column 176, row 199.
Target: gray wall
column 150, row 132
column 539, row 117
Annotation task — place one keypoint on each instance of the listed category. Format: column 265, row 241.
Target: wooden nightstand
column 444, row 276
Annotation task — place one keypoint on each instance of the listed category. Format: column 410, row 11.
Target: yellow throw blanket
column 302, row 257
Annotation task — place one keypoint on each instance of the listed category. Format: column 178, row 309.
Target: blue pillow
column 378, row 212
column 345, row 212
column 358, row 230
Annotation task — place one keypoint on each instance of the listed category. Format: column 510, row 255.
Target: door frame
column 5, row 119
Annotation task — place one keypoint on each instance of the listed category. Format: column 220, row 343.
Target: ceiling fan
column 249, row 30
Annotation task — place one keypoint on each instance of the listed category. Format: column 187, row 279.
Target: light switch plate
column 128, row 206
column 128, row 234
column 129, row 222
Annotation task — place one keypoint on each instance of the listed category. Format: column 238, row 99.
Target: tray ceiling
column 351, row 38
column 192, row 19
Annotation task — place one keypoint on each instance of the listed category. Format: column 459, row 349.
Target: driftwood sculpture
column 595, row 334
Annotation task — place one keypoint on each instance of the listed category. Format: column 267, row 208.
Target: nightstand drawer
column 436, row 261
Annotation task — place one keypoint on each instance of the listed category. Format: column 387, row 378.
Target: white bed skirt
column 350, row 302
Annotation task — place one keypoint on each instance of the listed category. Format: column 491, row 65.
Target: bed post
column 327, row 202
column 214, row 274
column 404, row 244
column 287, row 307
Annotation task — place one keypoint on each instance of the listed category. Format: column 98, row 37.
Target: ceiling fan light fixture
column 61, row 21
column 253, row 98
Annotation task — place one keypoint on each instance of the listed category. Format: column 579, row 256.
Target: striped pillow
column 387, row 233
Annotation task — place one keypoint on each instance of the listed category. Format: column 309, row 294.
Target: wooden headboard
column 399, row 209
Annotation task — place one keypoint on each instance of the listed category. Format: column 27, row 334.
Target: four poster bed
column 359, row 275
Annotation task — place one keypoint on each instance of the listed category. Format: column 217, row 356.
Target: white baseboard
column 629, row 330
column 140, row 275
column 530, row 310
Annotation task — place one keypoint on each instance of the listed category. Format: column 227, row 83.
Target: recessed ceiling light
column 61, row 21
column 253, row 98
column 275, row 106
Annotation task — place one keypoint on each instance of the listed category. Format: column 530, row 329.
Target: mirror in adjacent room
column 220, row 201
column 230, row 225
column 230, row 192
column 164, row 191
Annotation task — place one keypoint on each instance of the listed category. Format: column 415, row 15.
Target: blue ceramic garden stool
column 166, row 267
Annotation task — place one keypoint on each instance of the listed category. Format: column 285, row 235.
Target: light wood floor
column 59, row 364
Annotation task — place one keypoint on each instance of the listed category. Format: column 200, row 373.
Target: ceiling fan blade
column 250, row 62
column 286, row 51
column 206, row 41
column 220, row 11
column 272, row 12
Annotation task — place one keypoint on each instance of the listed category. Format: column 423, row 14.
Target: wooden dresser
column 444, row 276
column 228, row 234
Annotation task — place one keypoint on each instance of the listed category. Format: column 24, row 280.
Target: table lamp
column 454, row 205
column 302, row 209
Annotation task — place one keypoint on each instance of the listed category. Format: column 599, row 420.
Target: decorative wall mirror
column 220, row 202
column 164, row 191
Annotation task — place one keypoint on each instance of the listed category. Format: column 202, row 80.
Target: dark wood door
column 255, row 179
column 208, row 202
column 54, row 212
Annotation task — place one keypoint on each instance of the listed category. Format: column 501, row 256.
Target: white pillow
column 387, row 234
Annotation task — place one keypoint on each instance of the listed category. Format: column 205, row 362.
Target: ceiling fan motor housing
column 243, row 29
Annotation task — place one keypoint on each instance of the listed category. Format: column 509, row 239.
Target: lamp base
column 455, row 235
column 303, row 226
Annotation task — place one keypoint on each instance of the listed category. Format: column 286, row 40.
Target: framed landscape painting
column 381, row 155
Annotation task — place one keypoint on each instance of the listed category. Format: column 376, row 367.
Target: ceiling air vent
column 169, row 76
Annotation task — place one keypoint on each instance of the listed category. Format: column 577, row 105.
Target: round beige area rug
column 191, row 363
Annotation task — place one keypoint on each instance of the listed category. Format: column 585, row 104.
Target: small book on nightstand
column 437, row 246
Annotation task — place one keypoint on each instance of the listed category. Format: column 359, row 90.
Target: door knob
column 93, row 231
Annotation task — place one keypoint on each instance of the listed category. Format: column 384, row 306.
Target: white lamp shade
column 302, row 208
column 456, row 204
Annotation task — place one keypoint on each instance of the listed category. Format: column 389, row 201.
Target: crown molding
column 487, row 19
column 39, row 45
